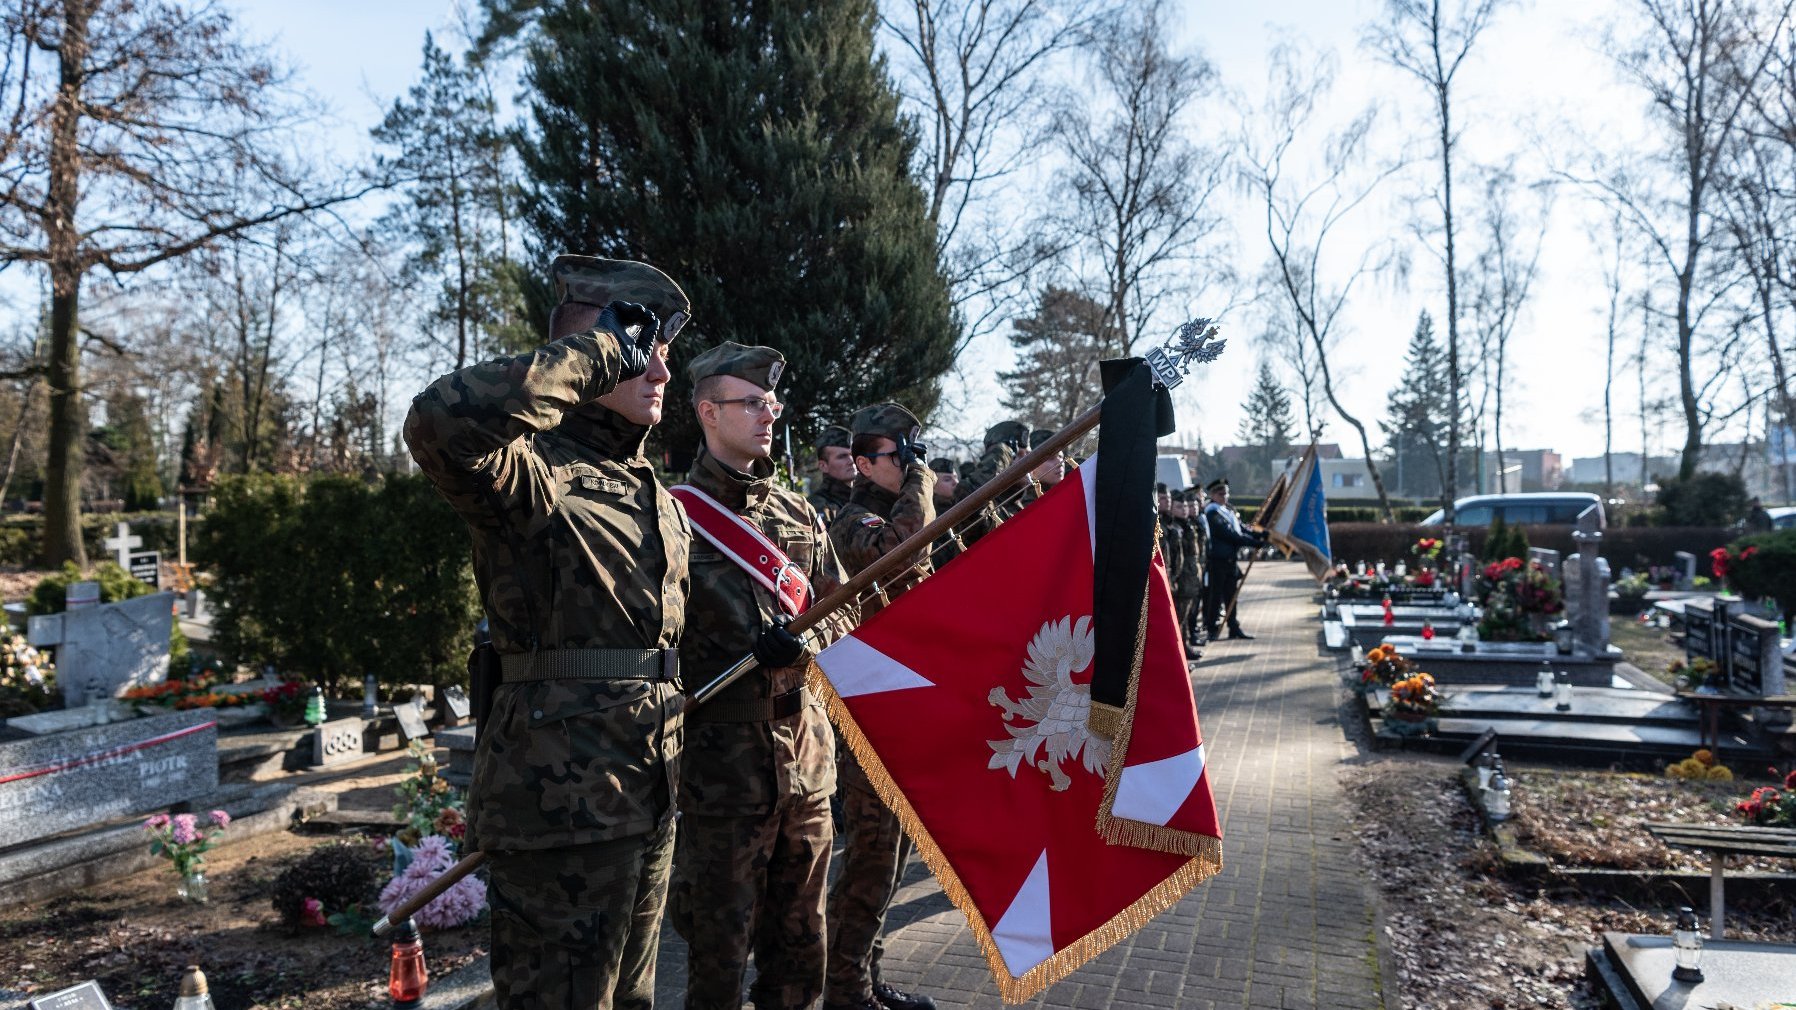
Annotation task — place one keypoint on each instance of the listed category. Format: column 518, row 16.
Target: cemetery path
column 1288, row 923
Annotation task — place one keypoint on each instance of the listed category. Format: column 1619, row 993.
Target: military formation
column 602, row 799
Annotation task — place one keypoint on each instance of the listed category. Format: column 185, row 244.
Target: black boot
column 1236, row 632
column 898, row 999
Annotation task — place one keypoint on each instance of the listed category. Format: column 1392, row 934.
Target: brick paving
column 1288, row 923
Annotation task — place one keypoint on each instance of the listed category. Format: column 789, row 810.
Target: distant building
column 1527, row 470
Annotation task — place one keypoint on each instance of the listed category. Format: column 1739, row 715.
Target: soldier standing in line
column 837, row 468
column 894, row 497
column 580, row 559
column 1188, row 590
column 753, row 855
column 946, row 547
column 1004, row 442
column 1222, row 574
column 1051, row 471
column 1172, row 544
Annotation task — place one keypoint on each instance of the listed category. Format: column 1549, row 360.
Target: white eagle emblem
column 1053, row 714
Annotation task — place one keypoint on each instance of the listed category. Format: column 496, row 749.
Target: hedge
column 1626, row 547
column 22, row 535
column 334, row 578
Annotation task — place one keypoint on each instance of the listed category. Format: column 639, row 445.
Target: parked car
column 1538, row 508
column 1171, row 471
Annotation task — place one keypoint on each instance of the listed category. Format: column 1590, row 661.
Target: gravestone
column 1467, row 567
column 411, row 718
column 120, row 544
column 86, row 996
column 337, row 741
column 1587, row 592
column 122, row 645
column 1757, row 667
column 147, row 567
column 62, row 781
column 81, row 595
column 1548, row 559
column 1686, row 569
column 457, row 700
column 1705, row 633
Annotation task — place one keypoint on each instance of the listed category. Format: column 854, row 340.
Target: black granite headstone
column 457, row 699
column 1699, row 629
column 147, row 567
column 1751, row 639
column 1485, row 740
column 86, row 996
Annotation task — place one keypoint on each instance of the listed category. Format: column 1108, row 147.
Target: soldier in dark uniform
column 1172, row 545
column 755, row 832
column 1226, row 538
column 837, row 469
column 1188, row 590
column 894, row 497
column 580, row 558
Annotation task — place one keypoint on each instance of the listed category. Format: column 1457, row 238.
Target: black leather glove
column 616, row 319
column 912, row 452
column 777, row 647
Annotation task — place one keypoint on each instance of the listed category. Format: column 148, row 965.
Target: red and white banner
column 966, row 700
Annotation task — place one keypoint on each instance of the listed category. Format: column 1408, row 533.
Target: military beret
column 887, row 419
column 966, row 470
column 591, row 280
column 1160, row 487
column 1217, row 484
column 1013, row 432
column 1040, row 435
column 833, row 435
column 759, row 365
column 942, row 465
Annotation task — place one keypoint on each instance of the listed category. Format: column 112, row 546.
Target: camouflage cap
column 1013, row 432
column 887, row 419
column 593, row 280
column 759, row 365
column 1040, row 435
column 833, row 435
column 943, row 465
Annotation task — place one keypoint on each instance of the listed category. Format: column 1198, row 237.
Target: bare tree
column 1502, row 275
column 1698, row 61
column 1141, row 198
column 1614, row 267
column 138, row 132
column 1420, row 39
column 1302, row 215
column 972, row 73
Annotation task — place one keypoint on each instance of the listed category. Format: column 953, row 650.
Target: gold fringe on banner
column 1142, row 834
column 1011, row 988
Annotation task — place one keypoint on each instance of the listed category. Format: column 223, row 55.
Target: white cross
column 122, row 543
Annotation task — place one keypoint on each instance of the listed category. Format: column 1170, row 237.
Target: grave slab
column 62, row 781
column 119, row 645
column 1735, row 972
column 337, row 741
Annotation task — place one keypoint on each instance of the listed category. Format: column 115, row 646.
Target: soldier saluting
column 836, row 465
column 580, row 559
column 755, row 830
column 893, row 498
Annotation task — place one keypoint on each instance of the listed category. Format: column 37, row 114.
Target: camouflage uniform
column 577, row 549
column 832, row 494
column 876, row 849
column 1003, row 443
column 753, row 855
column 1188, row 590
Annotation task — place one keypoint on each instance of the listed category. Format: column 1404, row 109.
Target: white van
column 1537, row 508
column 1171, row 471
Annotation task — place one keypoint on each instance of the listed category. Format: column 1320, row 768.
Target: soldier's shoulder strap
column 742, row 542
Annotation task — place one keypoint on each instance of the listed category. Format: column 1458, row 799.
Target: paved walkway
column 1288, row 923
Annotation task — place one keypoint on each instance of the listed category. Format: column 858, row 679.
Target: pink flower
column 220, row 818
column 156, row 823
column 311, row 912
column 186, row 830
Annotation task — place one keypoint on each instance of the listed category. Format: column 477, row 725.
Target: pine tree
column 756, row 153
column 1420, row 410
column 1058, row 349
column 1267, row 425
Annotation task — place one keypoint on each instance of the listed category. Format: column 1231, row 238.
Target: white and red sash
column 746, row 545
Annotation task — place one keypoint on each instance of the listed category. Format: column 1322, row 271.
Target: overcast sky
column 1536, row 82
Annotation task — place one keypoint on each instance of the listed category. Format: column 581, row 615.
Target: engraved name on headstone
column 411, row 718
column 86, row 996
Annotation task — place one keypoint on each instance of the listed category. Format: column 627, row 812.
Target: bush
column 1763, row 565
column 334, row 578
column 22, row 536
column 1503, row 541
column 339, row 876
column 1706, row 499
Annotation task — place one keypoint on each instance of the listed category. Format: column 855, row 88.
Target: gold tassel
column 1011, row 988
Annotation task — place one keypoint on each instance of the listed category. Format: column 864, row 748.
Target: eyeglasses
column 876, row 455
column 756, row 404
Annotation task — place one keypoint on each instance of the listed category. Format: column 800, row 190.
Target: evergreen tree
column 1058, row 349
column 1267, row 425
column 756, row 153
column 447, row 143
column 1420, row 410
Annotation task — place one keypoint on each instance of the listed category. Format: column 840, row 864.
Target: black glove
column 777, row 647
column 616, row 319
column 912, row 452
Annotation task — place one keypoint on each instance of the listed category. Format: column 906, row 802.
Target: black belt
column 590, row 664
column 780, row 706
